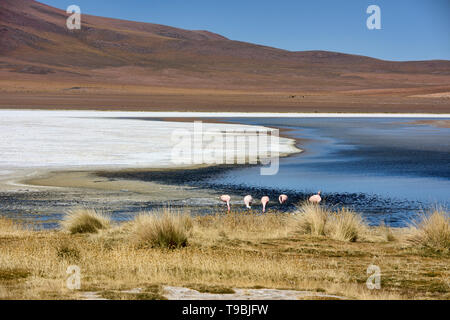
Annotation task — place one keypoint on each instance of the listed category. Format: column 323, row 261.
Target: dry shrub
column 85, row 221
column 247, row 224
column 311, row 219
column 316, row 220
column 433, row 231
column 387, row 233
column 166, row 229
column 346, row 225
column 7, row 226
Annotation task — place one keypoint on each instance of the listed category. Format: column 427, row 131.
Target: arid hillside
column 117, row 64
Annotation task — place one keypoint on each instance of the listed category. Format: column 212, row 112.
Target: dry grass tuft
column 312, row 219
column 13, row 274
column 388, row 234
column 7, row 226
column 316, row 220
column 167, row 229
column 346, row 225
column 433, row 231
column 236, row 224
column 85, row 221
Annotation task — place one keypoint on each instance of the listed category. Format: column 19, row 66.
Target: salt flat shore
column 35, row 142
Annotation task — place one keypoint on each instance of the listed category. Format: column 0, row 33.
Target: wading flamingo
column 315, row 198
column 226, row 198
column 248, row 201
column 282, row 198
column 264, row 202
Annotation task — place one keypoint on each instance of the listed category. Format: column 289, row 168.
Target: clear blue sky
column 411, row 29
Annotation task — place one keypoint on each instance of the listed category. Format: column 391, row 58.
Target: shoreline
column 20, row 188
column 16, row 176
column 214, row 114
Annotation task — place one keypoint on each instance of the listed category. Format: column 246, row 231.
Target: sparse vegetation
column 167, row 229
column 85, row 221
column 346, row 225
column 386, row 233
column 316, row 220
column 13, row 274
column 433, row 231
column 8, row 227
column 224, row 252
column 312, row 219
column 67, row 252
column 237, row 224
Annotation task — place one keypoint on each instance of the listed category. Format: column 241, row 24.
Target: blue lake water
column 388, row 169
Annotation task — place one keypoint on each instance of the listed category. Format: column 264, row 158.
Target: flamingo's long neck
column 228, row 206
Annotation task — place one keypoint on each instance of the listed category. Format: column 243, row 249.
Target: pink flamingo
column 315, row 198
column 226, row 198
column 264, row 202
column 282, row 198
column 248, row 201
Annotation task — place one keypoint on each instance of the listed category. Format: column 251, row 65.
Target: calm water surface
column 388, row 169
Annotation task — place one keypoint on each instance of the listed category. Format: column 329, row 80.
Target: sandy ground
column 28, row 93
column 436, row 123
column 129, row 189
column 434, row 95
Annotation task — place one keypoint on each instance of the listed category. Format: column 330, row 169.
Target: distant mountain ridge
column 34, row 40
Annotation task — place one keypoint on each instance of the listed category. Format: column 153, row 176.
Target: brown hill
column 192, row 70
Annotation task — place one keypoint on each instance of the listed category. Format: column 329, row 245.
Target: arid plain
column 128, row 66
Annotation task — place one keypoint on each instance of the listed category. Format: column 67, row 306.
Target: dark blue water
column 390, row 170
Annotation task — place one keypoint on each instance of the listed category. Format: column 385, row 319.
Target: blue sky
column 411, row 29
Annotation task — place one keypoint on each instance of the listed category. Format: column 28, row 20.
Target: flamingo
column 226, row 198
column 282, row 198
column 264, row 202
column 315, row 198
column 248, row 201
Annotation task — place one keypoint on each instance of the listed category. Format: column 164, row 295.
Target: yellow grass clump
column 7, row 226
column 85, row 221
column 433, row 231
column 346, row 225
column 167, row 229
column 235, row 224
column 316, row 220
column 312, row 219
